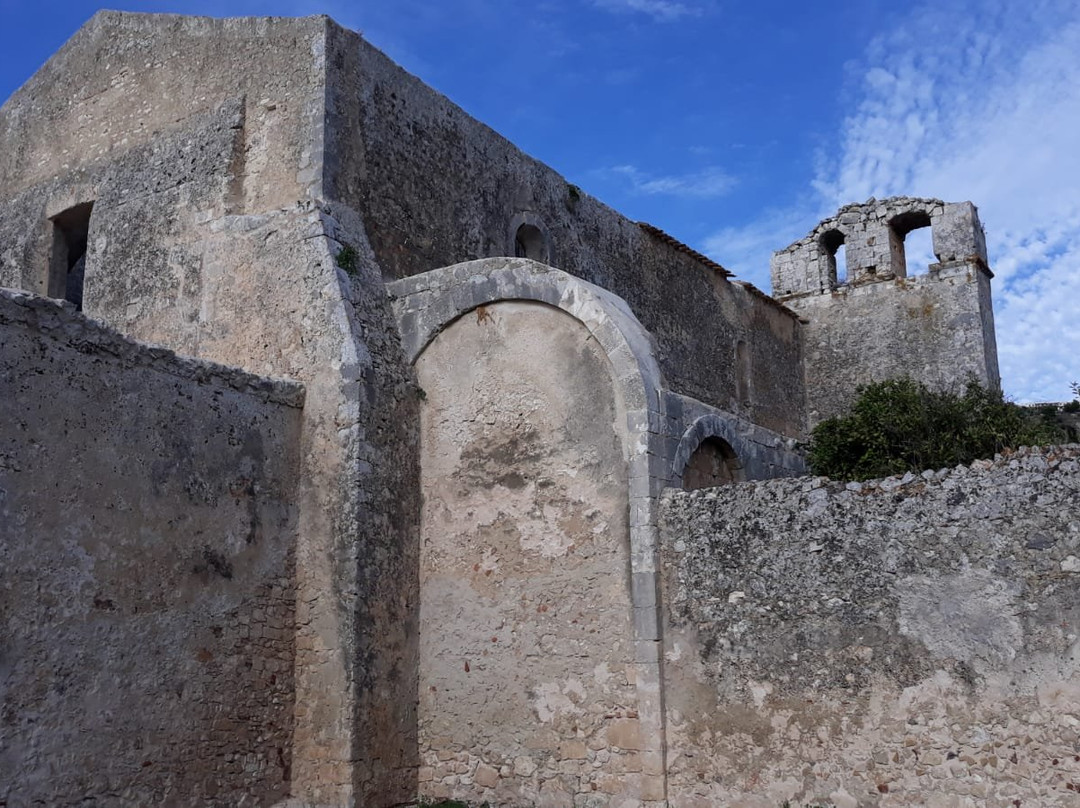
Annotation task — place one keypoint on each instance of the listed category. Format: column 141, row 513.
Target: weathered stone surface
column 526, row 640
column 248, row 192
column 895, row 643
column 878, row 323
column 205, row 236
column 147, row 551
column 438, row 188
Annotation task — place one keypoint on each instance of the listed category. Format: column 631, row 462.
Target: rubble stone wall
column 147, row 586
column 909, row 641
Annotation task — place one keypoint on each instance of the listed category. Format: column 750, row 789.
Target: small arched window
column 832, row 248
column 713, row 463
column 530, row 237
column 529, row 242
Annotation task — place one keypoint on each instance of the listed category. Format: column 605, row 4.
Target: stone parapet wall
column 908, row 641
column 147, row 584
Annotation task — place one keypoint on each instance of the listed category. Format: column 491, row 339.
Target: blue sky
column 736, row 126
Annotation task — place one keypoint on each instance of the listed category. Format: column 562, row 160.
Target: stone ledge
column 1034, row 459
column 59, row 320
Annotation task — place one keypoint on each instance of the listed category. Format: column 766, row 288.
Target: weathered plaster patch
column 970, row 616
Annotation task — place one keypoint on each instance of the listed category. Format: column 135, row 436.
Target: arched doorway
column 713, row 463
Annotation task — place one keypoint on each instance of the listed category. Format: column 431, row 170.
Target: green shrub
column 901, row 425
column 348, row 259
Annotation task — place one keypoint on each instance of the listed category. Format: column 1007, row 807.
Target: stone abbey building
column 343, row 450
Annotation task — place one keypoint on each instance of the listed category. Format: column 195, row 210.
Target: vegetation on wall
column 901, row 425
column 348, row 259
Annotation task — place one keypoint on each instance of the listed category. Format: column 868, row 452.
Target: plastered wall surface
column 147, row 551
column 199, row 141
column 527, row 690
column 273, row 299
column 255, row 182
column 223, row 190
column 911, row 641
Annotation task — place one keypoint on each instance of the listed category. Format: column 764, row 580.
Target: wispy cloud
column 709, row 182
column 664, row 10
column 993, row 118
column 979, row 101
column 621, row 75
column 746, row 250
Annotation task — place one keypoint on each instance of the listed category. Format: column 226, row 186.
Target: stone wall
column 173, row 121
column 147, row 553
column 931, row 327
column 435, row 187
column 910, row 641
column 273, row 300
column 123, row 80
column 199, row 142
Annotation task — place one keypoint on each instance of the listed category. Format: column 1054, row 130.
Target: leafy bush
column 901, row 425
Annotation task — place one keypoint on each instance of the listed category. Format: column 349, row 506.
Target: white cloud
column 709, row 182
column 977, row 101
column 991, row 115
column 746, row 250
column 664, row 10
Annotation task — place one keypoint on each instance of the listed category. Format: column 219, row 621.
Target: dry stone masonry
column 369, row 461
column 907, row 641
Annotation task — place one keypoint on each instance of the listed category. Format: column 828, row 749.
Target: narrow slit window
column 71, row 230
column 742, row 374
